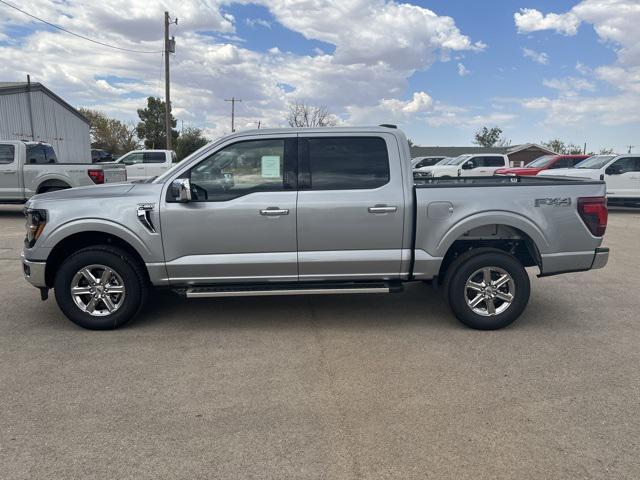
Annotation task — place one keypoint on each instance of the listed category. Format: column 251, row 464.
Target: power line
column 77, row 34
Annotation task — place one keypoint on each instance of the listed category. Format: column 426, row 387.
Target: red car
column 545, row 162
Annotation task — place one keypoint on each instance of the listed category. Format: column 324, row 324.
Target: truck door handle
column 382, row 209
column 9, row 172
column 274, row 212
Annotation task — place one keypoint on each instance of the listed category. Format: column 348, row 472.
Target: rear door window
column 491, row 162
column 7, row 154
column 51, row 154
column 36, row 155
column 347, row 163
column 154, row 157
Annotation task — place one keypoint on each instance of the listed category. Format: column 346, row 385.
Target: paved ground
column 343, row 387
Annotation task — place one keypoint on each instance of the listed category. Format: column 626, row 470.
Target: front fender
column 103, row 226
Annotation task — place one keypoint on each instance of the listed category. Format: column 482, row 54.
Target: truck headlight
column 36, row 221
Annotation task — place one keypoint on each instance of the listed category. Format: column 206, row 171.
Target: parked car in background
column 468, row 165
column 310, row 211
column 621, row 174
column 29, row 168
column 424, row 164
column 420, row 162
column 98, row 155
column 145, row 164
column 546, row 162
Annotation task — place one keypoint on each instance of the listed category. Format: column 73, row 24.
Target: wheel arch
column 52, row 182
column 73, row 242
column 510, row 233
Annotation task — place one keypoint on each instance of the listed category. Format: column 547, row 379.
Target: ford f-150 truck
column 145, row 164
column 28, row 168
column 310, row 211
column 467, row 165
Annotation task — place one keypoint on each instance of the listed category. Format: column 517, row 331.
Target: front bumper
column 34, row 272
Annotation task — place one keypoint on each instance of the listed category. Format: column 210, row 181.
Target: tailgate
column 114, row 173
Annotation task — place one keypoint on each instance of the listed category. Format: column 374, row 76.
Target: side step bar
column 289, row 289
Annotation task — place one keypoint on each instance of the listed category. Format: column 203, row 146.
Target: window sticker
column 270, row 166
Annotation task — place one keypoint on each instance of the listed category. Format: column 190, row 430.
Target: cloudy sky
column 438, row 68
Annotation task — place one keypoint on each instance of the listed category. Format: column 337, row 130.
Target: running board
column 308, row 289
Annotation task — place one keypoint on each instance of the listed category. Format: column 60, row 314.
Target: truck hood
column 572, row 172
column 91, row 192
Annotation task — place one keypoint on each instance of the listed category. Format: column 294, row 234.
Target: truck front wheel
column 100, row 288
column 488, row 289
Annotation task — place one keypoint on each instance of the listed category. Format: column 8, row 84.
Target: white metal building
column 30, row 111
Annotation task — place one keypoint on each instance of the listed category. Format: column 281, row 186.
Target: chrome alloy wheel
column 489, row 291
column 97, row 290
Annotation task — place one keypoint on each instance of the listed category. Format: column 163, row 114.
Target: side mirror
column 181, row 190
column 613, row 170
column 468, row 165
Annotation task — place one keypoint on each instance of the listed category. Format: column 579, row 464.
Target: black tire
column 116, row 259
column 457, row 292
column 53, row 188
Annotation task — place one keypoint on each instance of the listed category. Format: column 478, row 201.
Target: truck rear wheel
column 488, row 289
column 100, row 288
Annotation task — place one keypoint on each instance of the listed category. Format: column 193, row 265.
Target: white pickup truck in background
column 621, row 174
column 145, row 164
column 28, row 168
column 468, row 165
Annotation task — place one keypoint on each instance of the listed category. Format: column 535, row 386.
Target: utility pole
column 630, row 147
column 259, row 122
column 169, row 47
column 233, row 101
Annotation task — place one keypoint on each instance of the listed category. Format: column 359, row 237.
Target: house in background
column 30, row 111
column 519, row 155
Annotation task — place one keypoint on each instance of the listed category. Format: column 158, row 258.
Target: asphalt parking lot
column 344, row 387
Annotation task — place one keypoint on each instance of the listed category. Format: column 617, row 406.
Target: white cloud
column 531, row 20
column 368, row 32
column 462, row 70
column 569, row 86
column 538, row 57
column 615, row 23
column 368, row 71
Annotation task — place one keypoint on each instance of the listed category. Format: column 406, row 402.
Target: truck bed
column 500, row 181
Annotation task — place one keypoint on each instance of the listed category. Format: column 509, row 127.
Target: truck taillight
column 96, row 175
column 594, row 214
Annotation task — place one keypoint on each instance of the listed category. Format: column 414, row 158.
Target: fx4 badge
column 553, row 202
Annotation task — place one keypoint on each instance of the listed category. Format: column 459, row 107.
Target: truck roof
column 290, row 130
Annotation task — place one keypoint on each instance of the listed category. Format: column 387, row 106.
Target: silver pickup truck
column 29, row 168
column 310, row 211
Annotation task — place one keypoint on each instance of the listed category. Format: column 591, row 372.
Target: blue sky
column 440, row 69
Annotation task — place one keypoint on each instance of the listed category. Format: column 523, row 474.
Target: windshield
column 596, row 162
column 169, row 172
column 443, row 161
column 541, row 161
column 458, row 160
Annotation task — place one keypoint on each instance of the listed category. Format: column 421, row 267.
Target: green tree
column 488, row 137
column 110, row 134
column 561, row 147
column 555, row 145
column 151, row 127
column 190, row 140
column 606, row 151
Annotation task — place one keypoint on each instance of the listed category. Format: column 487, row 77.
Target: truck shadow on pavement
column 418, row 305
